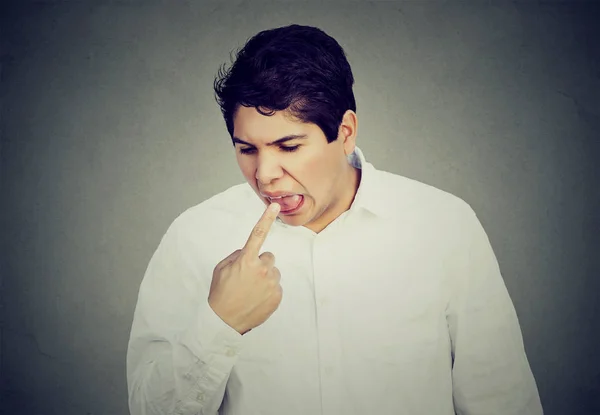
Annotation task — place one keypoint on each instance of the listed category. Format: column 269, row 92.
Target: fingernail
column 274, row 207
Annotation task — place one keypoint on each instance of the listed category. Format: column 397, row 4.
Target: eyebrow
column 272, row 143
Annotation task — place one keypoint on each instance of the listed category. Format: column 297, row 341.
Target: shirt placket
column 327, row 327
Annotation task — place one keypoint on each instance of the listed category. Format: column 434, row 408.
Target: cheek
column 315, row 172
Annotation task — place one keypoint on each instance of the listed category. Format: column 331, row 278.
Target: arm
column 491, row 373
column 180, row 352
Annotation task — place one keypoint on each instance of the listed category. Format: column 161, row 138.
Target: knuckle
column 273, row 283
column 259, row 231
column 263, row 270
column 267, row 258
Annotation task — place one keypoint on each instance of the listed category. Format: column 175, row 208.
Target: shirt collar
column 370, row 194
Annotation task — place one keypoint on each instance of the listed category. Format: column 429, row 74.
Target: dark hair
column 296, row 68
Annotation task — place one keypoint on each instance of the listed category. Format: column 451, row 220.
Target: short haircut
column 296, row 68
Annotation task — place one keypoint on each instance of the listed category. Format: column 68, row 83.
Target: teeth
column 280, row 197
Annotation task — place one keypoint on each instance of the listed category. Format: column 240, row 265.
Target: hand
column 245, row 288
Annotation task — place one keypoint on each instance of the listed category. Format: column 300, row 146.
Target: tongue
column 289, row 202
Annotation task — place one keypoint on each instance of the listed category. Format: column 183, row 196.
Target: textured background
column 110, row 130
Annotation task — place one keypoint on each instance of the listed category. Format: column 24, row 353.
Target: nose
column 268, row 168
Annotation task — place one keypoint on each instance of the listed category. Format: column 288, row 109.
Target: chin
column 292, row 220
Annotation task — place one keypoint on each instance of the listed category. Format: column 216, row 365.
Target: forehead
column 250, row 125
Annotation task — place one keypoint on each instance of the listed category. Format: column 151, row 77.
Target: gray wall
column 110, row 130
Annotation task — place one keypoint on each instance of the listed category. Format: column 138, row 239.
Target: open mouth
column 289, row 203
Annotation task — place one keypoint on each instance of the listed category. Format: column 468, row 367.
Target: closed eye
column 287, row 149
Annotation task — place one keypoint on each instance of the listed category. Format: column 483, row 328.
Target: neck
column 356, row 176
column 351, row 182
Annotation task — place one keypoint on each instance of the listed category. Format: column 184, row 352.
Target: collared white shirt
column 397, row 307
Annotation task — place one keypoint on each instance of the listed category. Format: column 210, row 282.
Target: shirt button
column 200, row 396
column 230, row 352
column 324, row 301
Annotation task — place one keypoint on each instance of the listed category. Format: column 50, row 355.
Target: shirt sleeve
column 490, row 372
column 180, row 353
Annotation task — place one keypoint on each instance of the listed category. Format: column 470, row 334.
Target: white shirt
column 397, row 307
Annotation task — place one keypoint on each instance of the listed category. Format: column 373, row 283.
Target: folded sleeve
column 180, row 353
column 490, row 372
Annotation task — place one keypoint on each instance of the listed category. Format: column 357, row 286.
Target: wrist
column 240, row 328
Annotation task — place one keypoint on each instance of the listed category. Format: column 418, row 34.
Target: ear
column 348, row 130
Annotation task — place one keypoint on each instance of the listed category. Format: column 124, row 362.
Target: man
column 363, row 292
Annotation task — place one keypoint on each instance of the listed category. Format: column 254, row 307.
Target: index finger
column 261, row 230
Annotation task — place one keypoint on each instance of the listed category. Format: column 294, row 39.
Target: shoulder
column 415, row 197
column 435, row 219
